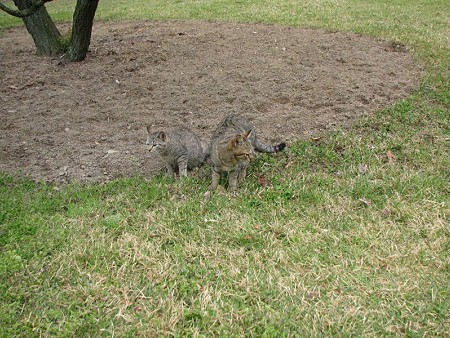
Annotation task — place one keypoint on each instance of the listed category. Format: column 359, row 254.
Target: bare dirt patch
column 86, row 121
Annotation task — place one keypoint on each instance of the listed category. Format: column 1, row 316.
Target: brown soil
column 86, row 121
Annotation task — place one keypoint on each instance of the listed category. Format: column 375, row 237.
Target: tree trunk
column 42, row 29
column 83, row 19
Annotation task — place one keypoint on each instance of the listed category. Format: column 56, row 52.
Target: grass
column 350, row 238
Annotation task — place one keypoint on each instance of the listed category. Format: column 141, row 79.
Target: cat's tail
column 267, row 148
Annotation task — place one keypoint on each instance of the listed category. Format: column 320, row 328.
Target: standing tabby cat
column 180, row 148
column 232, row 147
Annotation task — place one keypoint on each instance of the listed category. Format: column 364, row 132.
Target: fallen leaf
column 289, row 164
column 391, row 157
column 313, row 295
column 110, row 151
column 365, row 202
column 386, row 212
column 263, row 181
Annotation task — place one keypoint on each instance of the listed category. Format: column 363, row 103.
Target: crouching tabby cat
column 232, row 147
column 180, row 148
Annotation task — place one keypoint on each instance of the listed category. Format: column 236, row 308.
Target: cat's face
column 241, row 147
column 156, row 141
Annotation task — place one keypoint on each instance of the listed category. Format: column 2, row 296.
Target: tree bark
column 42, row 29
column 83, row 19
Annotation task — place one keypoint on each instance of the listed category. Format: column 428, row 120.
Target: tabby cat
column 232, row 147
column 180, row 148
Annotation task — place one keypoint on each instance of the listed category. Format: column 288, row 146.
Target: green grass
column 350, row 238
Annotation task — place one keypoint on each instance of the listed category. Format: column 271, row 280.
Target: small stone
column 63, row 171
column 363, row 168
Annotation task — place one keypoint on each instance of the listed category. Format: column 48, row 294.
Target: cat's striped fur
column 232, row 147
column 181, row 149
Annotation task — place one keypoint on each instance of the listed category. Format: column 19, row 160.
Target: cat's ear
column 247, row 134
column 149, row 129
column 162, row 135
column 233, row 142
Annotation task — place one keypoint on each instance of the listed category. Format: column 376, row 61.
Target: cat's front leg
column 215, row 178
column 233, row 180
column 241, row 174
column 182, row 165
